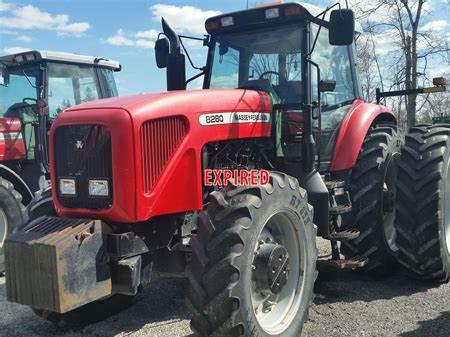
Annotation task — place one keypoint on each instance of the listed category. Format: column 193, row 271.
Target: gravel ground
column 347, row 305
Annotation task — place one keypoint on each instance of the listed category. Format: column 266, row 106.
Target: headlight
column 98, row 188
column 67, row 187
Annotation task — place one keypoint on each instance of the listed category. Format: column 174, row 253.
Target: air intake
column 159, row 140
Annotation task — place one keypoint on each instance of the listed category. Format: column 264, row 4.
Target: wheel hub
column 271, row 268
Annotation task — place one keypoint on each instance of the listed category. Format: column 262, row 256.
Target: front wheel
column 254, row 261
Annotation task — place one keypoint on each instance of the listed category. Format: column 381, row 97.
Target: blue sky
column 123, row 30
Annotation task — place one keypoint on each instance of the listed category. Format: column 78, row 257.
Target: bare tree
column 412, row 44
column 368, row 66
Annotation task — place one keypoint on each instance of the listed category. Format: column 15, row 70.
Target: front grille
column 159, row 140
column 83, row 152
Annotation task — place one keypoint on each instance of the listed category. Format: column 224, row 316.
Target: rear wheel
column 373, row 189
column 423, row 203
column 254, row 261
column 13, row 214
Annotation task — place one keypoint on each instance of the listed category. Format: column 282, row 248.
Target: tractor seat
column 290, row 91
column 262, row 84
column 20, row 110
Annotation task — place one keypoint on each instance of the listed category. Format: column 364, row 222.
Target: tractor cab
column 297, row 53
column 49, row 82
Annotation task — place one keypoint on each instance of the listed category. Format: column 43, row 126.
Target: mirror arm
column 318, row 31
column 328, row 9
column 189, row 56
column 195, row 77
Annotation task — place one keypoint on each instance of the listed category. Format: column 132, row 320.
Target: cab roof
column 40, row 55
column 255, row 15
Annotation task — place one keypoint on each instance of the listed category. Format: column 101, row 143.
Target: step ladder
column 340, row 205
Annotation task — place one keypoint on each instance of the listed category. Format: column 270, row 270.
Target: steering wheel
column 34, row 100
column 269, row 72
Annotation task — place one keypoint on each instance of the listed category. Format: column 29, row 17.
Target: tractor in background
column 35, row 86
column 133, row 197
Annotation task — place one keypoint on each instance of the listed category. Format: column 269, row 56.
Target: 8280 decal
column 234, row 118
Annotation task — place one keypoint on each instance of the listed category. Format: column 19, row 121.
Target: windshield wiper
column 28, row 79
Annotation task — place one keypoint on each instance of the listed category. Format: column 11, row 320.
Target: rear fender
column 353, row 131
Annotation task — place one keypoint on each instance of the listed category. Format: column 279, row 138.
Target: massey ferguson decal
column 233, row 117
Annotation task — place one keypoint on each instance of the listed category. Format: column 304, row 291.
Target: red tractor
column 138, row 180
column 34, row 87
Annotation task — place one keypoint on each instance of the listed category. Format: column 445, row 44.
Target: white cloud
column 443, row 70
column 145, row 43
column 386, row 42
column 119, row 39
column 8, row 32
column 5, row 6
column 14, row 50
column 24, row 38
column 435, row 26
column 184, row 19
column 122, row 39
column 151, row 34
column 30, row 17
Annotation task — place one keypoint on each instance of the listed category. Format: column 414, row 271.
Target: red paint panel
column 12, row 146
column 159, row 139
column 353, row 130
column 10, row 125
column 149, row 125
column 118, row 121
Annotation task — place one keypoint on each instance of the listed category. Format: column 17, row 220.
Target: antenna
column 247, row 5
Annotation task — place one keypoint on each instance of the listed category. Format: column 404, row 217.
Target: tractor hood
column 147, row 147
column 149, row 106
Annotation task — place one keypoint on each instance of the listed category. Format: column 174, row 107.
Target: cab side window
column 335, row 64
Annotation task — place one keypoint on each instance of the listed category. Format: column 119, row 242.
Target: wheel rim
column 447, row 209
column 3, row 227
column 275, row 312
column 388, row 203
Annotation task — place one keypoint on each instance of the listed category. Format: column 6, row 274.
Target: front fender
column 19, row 184
column 353, row 131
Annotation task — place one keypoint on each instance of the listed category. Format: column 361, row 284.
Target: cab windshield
column 23, row 83
column 71, row 84
column 67, row 85
column 269, row 60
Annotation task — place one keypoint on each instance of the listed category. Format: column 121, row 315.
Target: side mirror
column 4, row 75
column 342, row 27
column 327, row 85
column 162, row 52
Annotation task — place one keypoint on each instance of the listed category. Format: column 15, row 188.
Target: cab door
column 336, row 63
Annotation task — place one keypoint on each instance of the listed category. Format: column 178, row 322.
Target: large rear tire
column 423, row 203
column 13, row 214
column 232, row 287
column 373, row 194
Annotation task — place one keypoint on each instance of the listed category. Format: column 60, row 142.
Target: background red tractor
column 34, row 87
column 281, row 93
